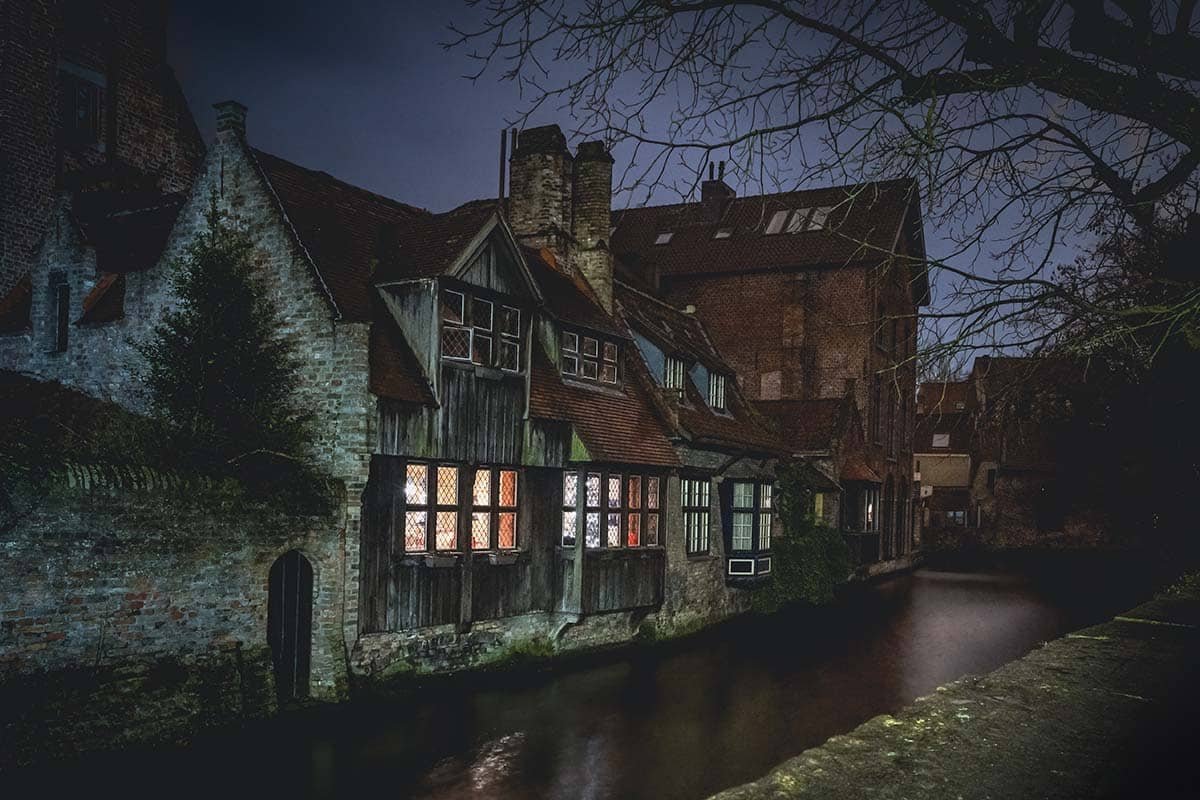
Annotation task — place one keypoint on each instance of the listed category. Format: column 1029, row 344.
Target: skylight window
column 723, row 233
column 664, row 238
column 776, row 223
column 820, row 216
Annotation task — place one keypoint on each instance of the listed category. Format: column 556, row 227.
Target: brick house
column 833, row 279
column 84, row 90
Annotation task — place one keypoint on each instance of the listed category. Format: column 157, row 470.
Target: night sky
column 362, row 90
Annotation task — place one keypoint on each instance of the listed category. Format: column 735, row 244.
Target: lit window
column 664, row 238
column 673, row 375
column 776, row 223
column 723, row 233
column 716, row 391
column 494, row 509
column 941, row 440
column 431, row 503
column 619, row 510
column 694, row 502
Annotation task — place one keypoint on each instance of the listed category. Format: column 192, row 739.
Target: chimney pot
column 721, row 172
column 711, row 167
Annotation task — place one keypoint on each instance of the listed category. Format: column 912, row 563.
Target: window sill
column 437, row 561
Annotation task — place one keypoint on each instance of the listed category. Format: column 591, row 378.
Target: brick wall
column 106, row 591
column 146, row 123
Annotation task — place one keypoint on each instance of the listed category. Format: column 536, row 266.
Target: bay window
column 750, row 516
column 431, row 497
column 620, row 510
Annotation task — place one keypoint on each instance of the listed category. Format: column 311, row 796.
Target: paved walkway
column 1109, row 711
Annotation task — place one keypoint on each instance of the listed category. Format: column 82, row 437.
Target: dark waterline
column 666, row 723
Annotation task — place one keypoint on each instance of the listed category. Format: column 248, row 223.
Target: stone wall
column 141, row 615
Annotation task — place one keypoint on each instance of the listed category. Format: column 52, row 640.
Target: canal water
column 670, row 723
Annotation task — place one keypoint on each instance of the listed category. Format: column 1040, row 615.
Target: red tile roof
column 395, row 372
column 357, row 239
column 15, row 306
column 863, row 228
column 616, row 425
column 942, row 397
column 855, row 468
column 568, row 297
column 675, row 332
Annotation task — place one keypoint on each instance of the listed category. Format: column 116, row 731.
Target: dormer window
column 673, row 374
column 589, row 357
column 664, row 237
column 480, row 331
column 716, row 391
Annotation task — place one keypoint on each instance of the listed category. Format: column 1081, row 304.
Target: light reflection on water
column 670, row 724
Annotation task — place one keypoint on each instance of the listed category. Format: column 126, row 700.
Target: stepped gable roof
column 15, row 306
column 615, row 424
column 679, row 333
column 395, row 372
column 808, row 426
column 567, row 295
column 862, row 229
column 357, row 239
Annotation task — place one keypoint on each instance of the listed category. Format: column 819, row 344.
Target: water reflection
column 671, row 724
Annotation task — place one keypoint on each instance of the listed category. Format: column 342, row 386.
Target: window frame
column 674, row 373
column 72, row 86
column 717, row 397
column 432, row 507
column 639, row 514
column 476, row 332
column 696, row 515
column 761, row 513
column 604, row 359
column 495, row 510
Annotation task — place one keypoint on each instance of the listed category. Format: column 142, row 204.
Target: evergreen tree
column 221, row 377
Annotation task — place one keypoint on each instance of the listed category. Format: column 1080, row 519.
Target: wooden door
column 289, row 624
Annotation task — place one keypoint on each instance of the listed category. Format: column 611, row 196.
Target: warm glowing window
column 620, row 510
column 494, row 509
column 431, row 506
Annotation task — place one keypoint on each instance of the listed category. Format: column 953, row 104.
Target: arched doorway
column 289, row 623
column 902, row 518
column 889, row 518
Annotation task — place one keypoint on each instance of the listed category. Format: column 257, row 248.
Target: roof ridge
column 767, row 195
column 360, row 190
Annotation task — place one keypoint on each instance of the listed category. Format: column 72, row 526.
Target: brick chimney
column 591, row 218
column 539, row 207
column 231, row 122
column 715, row 194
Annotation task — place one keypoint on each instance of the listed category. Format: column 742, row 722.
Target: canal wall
column 138, row 613
column 1108, row 711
